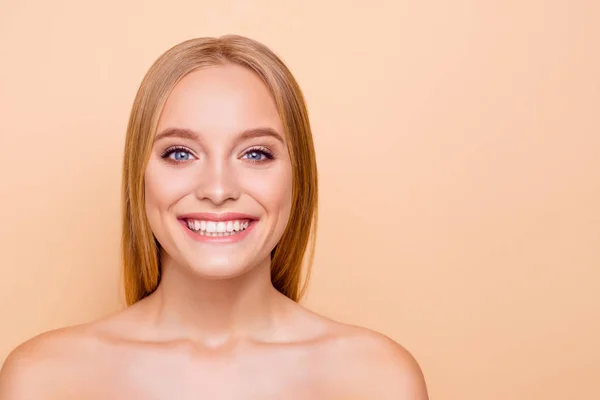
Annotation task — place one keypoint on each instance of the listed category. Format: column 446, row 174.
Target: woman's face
column 219, row 180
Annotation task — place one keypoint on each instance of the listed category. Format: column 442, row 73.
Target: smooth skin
column 215, row 328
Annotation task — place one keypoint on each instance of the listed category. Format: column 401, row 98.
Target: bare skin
column 215, row 328
column 126, row 356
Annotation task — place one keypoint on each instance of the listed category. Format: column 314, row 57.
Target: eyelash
column 263, row 150
column 258, row 149
column 165, row 154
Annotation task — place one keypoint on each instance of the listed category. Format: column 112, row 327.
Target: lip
column 217, row 218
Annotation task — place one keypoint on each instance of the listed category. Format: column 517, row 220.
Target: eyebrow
column 184, row 133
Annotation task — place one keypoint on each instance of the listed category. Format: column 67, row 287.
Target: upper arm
column 404, row 378
column 32, row 369
column 389, row 371
column 18, row 376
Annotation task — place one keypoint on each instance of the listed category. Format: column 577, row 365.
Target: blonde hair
column 140, row 249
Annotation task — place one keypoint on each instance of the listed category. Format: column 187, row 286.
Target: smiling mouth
column 218, row 228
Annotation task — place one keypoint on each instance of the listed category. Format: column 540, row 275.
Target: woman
column 220, row 206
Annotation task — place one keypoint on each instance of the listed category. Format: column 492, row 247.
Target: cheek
column 163, row 187
column 273, row 190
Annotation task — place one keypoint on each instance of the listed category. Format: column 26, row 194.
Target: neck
column 216, row 311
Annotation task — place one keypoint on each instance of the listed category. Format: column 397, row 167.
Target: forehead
column 220, row 100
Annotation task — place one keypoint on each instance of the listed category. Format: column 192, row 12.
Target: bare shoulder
column 54, row 363
column 35, row 368
column 372, row 365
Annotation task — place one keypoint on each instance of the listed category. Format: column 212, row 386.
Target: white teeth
column 211, row 227
column 216, row 229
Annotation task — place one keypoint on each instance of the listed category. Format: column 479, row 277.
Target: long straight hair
column 140, row 249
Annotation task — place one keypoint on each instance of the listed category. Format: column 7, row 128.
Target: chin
column 217, row 268
column 214, row 257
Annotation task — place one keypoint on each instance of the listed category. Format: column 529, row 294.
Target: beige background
column 458, row 148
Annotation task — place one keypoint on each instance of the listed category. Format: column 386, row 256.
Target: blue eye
column 255, row 155
column 180, row 155
column 258, row 155
column 177, row 154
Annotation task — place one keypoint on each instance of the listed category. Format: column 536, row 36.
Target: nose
column 217, row 183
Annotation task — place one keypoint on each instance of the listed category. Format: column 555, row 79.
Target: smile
column 217, row 228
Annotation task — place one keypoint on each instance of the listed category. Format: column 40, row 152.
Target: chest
column 284, row 375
